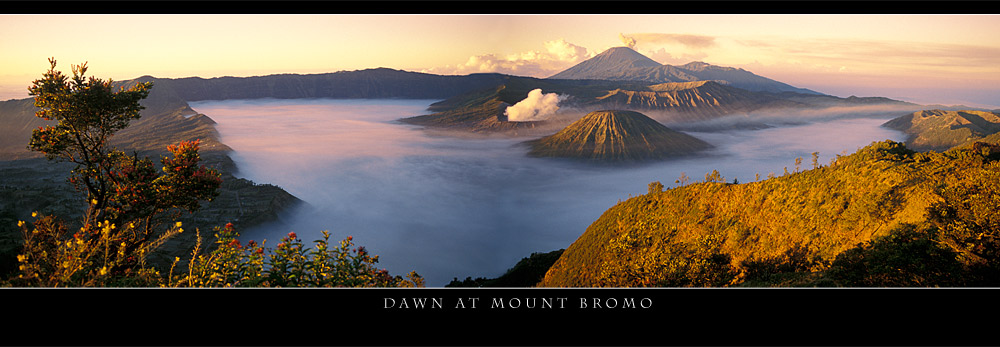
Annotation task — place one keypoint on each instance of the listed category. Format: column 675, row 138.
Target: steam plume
column 628, row 41
column 535, row 107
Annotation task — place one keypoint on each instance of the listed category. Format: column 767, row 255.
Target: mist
column 455, row 207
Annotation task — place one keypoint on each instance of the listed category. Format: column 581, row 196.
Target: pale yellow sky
column 927, row 57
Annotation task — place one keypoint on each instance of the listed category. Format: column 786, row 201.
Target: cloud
column 686, row 40
column 883, row 57
column 664, row 56
column 670, row 48
column 627, row 41
column 535, row 107
column 558, row 55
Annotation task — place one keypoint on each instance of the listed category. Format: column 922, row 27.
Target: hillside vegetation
column 883, row 216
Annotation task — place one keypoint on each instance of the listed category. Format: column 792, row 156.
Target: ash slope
column 616, row 136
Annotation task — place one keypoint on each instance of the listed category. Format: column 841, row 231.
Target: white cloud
column 558, row 55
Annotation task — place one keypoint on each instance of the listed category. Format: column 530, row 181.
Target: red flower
column 291, row 235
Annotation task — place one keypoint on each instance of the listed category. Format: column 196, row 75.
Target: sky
column 945, row 59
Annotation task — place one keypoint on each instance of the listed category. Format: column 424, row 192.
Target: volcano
column 616, row 135
column 625, row 64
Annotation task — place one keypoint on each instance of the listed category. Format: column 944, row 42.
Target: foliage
column 124, row 193
column 233, row 264
column 101, row 254
column 907, row 257
column 655, row 187
column 968, row 219
column 88, row 112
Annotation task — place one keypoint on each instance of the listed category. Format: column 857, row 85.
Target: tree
column 683, row 180
column 88, row 112
column 124, row 192
column 655, row 187
column 119, row 187
column 126, row 195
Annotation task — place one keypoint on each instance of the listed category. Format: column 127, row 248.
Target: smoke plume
column 535, row 107
column 628, row 41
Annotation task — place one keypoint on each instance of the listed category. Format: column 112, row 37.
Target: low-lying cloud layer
column 451, row 207
column 536, row 107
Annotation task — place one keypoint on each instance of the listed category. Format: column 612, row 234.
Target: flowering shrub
column 105, row 255
column 234, row 264
column 100, row 254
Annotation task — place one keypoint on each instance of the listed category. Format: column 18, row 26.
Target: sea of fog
column 455, row 207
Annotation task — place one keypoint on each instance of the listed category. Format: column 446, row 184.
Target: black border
column 321, row 317
column 328, row 317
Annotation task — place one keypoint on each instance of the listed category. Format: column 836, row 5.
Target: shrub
column 233, row 264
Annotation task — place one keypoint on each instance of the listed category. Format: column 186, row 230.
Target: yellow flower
column 104, row 270
column 20, row 223
column 178, row 224
column 34, row 214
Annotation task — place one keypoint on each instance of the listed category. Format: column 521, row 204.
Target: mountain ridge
column 618, row 63
column 940, row 130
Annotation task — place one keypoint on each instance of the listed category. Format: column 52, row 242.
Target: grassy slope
column 686, row 235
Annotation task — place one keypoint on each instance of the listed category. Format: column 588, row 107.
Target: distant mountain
column 941, row 130
column 17, row 119
column 681, row 104
column 625, row 64
column 616, row 135
column 693, row 101
column 482, row 111
column 360, row 84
